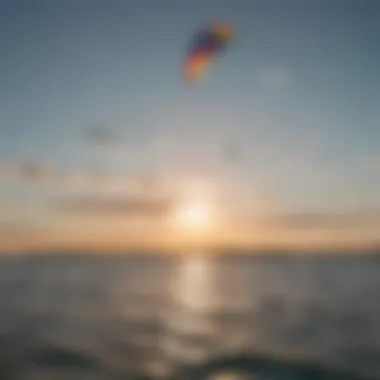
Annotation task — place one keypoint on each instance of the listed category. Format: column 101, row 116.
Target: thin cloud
column 10, row 227
column 329, row 221
column 42, row 174
column 111, row 205
column 29, row 171
column 17, row 232
column 37, row 172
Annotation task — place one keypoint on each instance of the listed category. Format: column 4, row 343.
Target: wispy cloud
column 27, row 171
column 360, row 219
column 112, row 205
column 38, row 173
column 15, row 235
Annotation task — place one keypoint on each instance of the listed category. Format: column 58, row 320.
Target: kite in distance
column 207, row 45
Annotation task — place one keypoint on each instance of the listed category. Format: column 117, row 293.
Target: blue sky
column 298, row 91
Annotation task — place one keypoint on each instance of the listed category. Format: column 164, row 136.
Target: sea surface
column 116, row 317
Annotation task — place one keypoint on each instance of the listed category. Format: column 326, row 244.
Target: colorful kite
column 207, row 45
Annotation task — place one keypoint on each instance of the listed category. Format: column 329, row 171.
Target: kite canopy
column 205, row 47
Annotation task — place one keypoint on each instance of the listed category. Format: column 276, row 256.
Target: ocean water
column 119, row 317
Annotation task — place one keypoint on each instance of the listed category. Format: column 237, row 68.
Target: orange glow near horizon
column 204, row 213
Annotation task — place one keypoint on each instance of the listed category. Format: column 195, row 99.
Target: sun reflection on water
column 189, row 328
column 206, row 314
column 195, row 285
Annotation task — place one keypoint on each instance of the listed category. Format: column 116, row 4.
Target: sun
column 194, row 215
column 194, row 221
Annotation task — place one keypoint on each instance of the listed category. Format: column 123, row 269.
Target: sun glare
column 195, row 215
column 195, row 220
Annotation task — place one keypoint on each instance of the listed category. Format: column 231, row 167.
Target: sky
column 297, row 92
